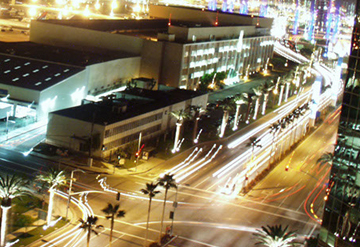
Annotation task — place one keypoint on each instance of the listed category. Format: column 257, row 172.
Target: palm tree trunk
column 112, row 228
column 224, row 123
column 147, row 223
column 195, row 127
column 163, row 214
column 256, row 108
column 50, row 207
column 236, row 117
column 5, row 210
column 287, row 91
column 177, row 136
column 88, row 236
column 281, row 94
column 248, row 113
column 272, row 148
column 264, row 103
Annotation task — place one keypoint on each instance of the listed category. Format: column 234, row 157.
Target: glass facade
column 341, row 219
column 224, row 55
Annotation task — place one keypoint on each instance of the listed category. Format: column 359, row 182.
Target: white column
column 264, row 103
column 256, row 108
column 5, row 210
column 281, row 94
column 236, row 117
column 287, row 91
column 177, row 135
column 50, row 208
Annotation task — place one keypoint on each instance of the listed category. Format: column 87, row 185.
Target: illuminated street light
column 86, row 11
column 114, row 4
column 32, row 11
column 97, row 5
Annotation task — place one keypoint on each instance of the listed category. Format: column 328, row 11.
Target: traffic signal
column 118, row 196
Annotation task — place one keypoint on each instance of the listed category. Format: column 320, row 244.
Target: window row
column 132, row 137
column 132, row 125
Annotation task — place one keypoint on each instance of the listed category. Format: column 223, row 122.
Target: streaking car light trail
column 202, row 165
column 173, row 171
column 189, row 159
column 85, row 211
column 190, row 167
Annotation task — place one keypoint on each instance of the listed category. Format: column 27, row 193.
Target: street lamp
column 71, row 180
column 175, row 204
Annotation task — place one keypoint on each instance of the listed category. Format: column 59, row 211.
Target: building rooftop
column 33, row 74
column 76, row 57
column 138, row 101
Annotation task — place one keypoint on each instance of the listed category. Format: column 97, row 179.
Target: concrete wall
column 60, row 131
column 21, row 94
column 171, row 69
column 66, row 94
column 151, row 59
column 66, row 36
column 204, row 33
column 209, row 17
column 107, row 73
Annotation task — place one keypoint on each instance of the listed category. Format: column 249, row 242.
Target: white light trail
column 199, row 167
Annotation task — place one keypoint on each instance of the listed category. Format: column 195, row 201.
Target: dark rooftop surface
column 139, row 101
column 33, row 74
column 76, row 57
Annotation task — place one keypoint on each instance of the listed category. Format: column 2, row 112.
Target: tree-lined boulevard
column 212, row 206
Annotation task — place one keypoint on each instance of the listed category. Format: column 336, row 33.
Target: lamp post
column 175, row 204
column 71, row 180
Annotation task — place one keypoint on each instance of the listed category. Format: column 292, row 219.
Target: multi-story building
column 341, row 219
column 177, row 46
column 119, row 120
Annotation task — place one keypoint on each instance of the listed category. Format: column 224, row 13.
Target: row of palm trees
column 167, row 182
column 13, row 186
column 251, row 99
column 90, row 224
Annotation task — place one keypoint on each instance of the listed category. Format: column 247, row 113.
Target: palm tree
column 266, row 88
column 239, row 100
column 113, row 211
column 249, row 98
column 288, row 120
column 167, row 182
column 326, row 158
column 180, row 116
column 274, row 129
column 149, row 190
column 258, row 92
column 89, row 226
column 10, row 188
column 197, row 110
column 275, row 236
column 53, row 178
column 226, row 105
column 253, row 143
column 282, row 85
column 288, row 79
